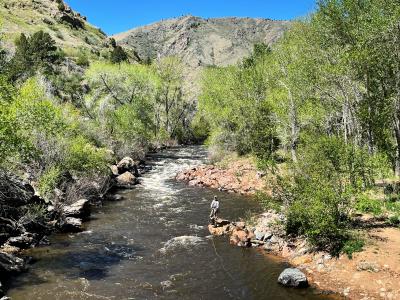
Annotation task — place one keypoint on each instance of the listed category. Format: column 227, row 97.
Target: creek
column 154, row 244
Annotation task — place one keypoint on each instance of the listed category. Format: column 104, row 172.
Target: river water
column 154, row 244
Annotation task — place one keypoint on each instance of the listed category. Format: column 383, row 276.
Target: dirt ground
column 371, row 274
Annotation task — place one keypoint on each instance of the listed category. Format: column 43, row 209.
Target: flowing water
column 154, row 244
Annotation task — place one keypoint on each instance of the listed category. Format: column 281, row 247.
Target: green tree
column 122, row 102
column 118, row 55
column 172, row 107
column 34, row 53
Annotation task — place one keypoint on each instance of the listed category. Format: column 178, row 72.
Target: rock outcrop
column 14, row 192
column 201, row 42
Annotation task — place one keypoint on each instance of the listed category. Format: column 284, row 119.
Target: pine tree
column 118, row 55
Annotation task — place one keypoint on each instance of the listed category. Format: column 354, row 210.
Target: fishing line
column 222, row 265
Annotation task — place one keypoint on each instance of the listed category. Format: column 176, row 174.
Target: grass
column 14, row 21
column 352, row 246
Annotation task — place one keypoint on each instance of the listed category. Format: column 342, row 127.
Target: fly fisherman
column 214, row 210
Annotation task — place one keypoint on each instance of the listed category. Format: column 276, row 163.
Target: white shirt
column 215, row 204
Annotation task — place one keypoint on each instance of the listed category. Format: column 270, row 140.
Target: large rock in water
column 10, row 264
column 292, row 277
column 71, row 225
column 79, row 209
column 126, row 180
column 127, row 164
column 241, row 237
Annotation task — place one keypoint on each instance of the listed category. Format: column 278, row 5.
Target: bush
column 118, row 55
column 319, row 190
column 351, row 246
column 82, row 156
column 82, row 60
column 49, row 181
column 367, row 205
column 61, row 5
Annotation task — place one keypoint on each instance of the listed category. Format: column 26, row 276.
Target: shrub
column 353, row 245
column 82, row 156
column 118, row 55
column 318, row 191
column 367, row 205
column 49, row 181
column 82, row 60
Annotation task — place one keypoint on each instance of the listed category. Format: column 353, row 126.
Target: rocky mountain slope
column 202, row 42
column 70, row 30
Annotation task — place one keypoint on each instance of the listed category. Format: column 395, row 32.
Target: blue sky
column 121, row 15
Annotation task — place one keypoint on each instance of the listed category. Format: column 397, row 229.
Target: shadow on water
column 92, row 262
column 155, row 245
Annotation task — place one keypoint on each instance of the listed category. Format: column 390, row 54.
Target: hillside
column 202, row 42
column 69, row 29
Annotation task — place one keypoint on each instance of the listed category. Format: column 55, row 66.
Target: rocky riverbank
column 27, row 219
column 370, row 274
column 239, row 177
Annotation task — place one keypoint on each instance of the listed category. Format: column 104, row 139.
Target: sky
column 114, row 16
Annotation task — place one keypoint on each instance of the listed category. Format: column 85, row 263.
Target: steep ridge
column 202, row 42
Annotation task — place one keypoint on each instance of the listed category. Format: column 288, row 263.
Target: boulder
column 126, row 164
column 14, row 191
column 259, row 235
column 240, row 225
column 293, row 277
column 79, row 209
column 71, row 225
column 218, row 231
column 10, row 264
column 241, row 237
column 114, row 170
column 268, row 235
column 23, row 241
column 221, row 222
column 126, row 180
column 8, row 228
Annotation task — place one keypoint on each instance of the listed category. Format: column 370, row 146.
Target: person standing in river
column 214, row 210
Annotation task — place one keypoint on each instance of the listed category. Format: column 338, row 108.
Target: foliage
column 171, row 107
column 353, row 245
column 234, row 102
column 34, row 53
column 366, row 204
column 324, row 100
column 48, row 181
column 122, row 101
column 82, row 60
column 118, row 55
column 83, row 156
